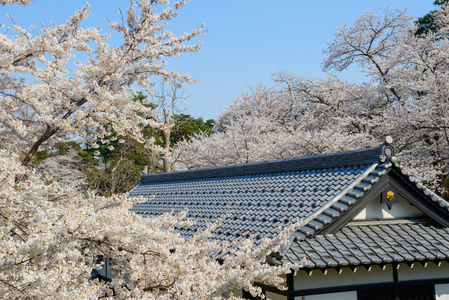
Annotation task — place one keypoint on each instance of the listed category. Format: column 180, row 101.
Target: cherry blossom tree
column 405, row 95
column 410, row 71
column 63, row 100
column 52, row 232
column 296, row 117
column 51, row 236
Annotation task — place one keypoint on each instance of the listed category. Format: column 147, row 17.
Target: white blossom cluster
column 304, row 117
column 21, row 2
column 51, row 236
column 406, row 96
column 72, row 97
column 52, row 233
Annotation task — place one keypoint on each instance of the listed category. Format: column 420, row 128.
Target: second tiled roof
column 375, row 242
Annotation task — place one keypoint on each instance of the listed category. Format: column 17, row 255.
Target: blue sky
column 248, row 40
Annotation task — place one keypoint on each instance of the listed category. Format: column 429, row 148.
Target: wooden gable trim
column 402, row 185
column 416, row 196
column 353, row 211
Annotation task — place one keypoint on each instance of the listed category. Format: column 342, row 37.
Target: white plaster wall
column 347, row 277
column 418, row 271
column 377, row 210
column 331, row 296
column 442, row 291
column 274, row 296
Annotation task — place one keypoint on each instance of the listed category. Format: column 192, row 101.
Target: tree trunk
column 166, row 141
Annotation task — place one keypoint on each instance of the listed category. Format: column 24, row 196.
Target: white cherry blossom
column 52, row 232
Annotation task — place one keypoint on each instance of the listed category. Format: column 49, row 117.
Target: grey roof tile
column 261, row 198
column 374, row 242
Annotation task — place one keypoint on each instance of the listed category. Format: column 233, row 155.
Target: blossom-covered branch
column 52, row 232
column 70, row 97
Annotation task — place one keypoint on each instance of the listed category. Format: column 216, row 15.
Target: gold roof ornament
column 390, row 195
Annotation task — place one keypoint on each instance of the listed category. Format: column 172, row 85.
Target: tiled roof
column 261, row 202
column 374, row 242
column 257, row 204
column 260, row 199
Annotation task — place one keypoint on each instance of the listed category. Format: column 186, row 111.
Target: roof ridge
column 347, row 158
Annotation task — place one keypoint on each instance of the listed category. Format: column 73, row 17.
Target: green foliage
column 60, row 148
column 114, row 170
column 118, row 169
column 41, row 155
column 428, row 23
column 186, row 126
